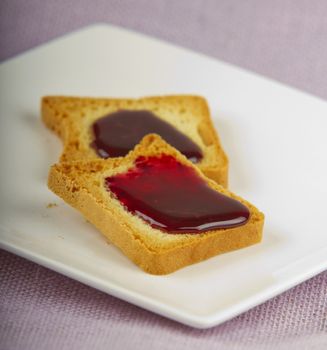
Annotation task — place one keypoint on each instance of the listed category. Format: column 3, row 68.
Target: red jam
column 118, row 133
column 171, row 197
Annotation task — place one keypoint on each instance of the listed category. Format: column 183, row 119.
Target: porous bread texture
column 82, row 185
column 71, row 118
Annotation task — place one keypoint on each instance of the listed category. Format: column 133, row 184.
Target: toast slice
column 71, row 118
column 82, row 184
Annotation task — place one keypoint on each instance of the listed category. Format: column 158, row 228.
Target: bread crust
column 71, row 119
column 81, row 184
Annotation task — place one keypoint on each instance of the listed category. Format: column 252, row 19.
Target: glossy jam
column 172, row 197
column 117, row 133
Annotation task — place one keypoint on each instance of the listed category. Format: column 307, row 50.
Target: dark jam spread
column 118, row 133
column 172, row 197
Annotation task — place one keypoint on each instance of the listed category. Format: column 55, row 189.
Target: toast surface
column 82, row 185
column 71, row 118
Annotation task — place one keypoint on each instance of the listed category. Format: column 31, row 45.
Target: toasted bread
column 72, row 118
column 82, row 185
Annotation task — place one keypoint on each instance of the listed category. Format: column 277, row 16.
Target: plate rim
column 162, row 309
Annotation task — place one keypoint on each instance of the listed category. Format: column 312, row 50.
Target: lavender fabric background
column 283, row 39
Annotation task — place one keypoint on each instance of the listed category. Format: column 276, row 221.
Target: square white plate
column 275, row 138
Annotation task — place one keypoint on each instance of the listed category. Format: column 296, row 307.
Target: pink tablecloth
column 283, row 39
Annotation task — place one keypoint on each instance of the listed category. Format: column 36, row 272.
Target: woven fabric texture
column 282, row 39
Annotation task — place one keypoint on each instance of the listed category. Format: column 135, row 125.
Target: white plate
column 275, row 138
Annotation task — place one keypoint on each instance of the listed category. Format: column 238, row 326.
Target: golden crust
column 80, row 184
column 71, row 119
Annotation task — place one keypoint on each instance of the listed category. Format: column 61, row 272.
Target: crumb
column 52, row 205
